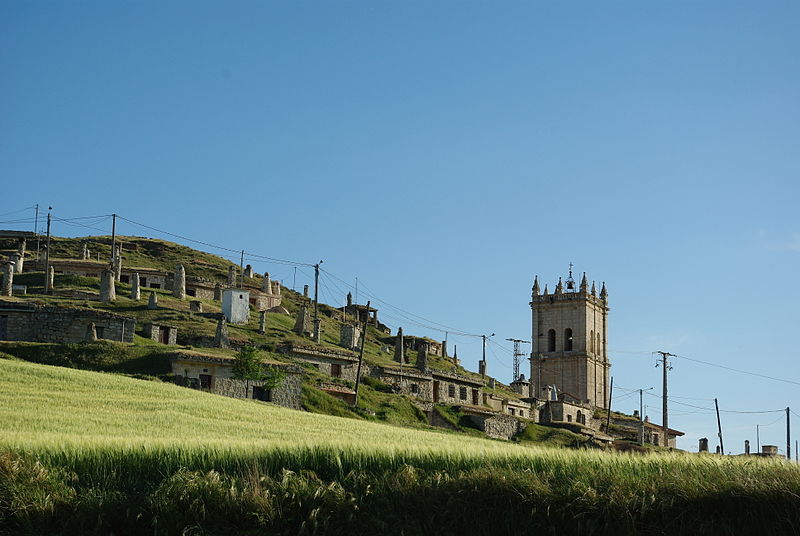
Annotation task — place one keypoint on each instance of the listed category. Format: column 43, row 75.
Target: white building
column 236, row 305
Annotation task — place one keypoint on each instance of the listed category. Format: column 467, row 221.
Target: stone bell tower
column 569, row 334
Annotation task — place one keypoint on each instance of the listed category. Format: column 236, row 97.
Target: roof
column 17, row 234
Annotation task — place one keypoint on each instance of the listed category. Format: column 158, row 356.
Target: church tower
column 569, row 331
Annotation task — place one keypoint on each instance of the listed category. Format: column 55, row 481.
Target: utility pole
column 47, row 288
column 518, row 354
column 482, row 364
column 788, row 437
column 361, row 358
column 316, row 303
column 608, row 417
column 113, row 239
column 641, row 415
column 664, row 407
column 36, row 230
column 241, row 271
column 758, row 438
column 719, row 429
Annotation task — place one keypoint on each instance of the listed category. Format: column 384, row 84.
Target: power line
column 739, row 370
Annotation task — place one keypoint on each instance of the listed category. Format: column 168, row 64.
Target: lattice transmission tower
column 518, row 355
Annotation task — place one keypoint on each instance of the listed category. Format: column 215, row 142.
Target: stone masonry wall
column 63, row 325
column 287, row 394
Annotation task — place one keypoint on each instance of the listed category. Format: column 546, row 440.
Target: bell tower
column 569, row 331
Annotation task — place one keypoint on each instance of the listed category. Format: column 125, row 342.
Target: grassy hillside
column 94, row 453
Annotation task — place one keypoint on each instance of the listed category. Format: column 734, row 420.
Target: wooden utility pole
column 664, row 406
column 316, row 303
column 241, row 271
column 641, row 419
column 719, row 430
column 47, row 288
column 788, row 437
column 361, row 357
column 113, row 239
column 608, row 417
column 36, row 230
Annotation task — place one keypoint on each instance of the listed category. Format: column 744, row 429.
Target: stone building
column 331, row 361
column 39, row 323
column 161, row 333
column 214, row 374
column 236, row 305
column 569, row 334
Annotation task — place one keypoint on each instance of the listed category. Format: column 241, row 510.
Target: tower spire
column 535, row 290
column 594, row 290
column 584, row 283
column 603, row 292
column 559, row 287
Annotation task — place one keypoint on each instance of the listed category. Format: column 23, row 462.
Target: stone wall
column 34, row 323
column 498, row 426
column 287, row 394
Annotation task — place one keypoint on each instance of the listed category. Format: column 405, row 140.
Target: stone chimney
column 108, row 291
column 179, row 284
column 231, row 276
column 136, row 291
column 547, row 393
column 422, row 357
column 399, row 347
column 305, row 291
column 152, row 302
column 349, row 299
column 482, row 367
column 266, row 284
column 302, row 325
column 221, row 339
column 248, row 271
column 703, row 446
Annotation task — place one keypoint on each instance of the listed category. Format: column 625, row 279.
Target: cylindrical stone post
column 266, row 286
column 317, row 331
column 179, row 285
column 21, row 252
column 217, row 292
column 52, row 275
column 262, row 322
column 17, row 260
column 136, row 289
column 8, row 278
column 305, row 291
column 118, row 263
column 231, row 276
column 399, row 346
column 108, row 292
column 152, row 302
column 221, row 337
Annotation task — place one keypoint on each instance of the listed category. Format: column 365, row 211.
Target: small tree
column 247, row 366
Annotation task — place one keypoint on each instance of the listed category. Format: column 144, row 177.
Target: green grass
column 93, row 453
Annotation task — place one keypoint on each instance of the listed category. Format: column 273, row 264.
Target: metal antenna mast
column 518, row 355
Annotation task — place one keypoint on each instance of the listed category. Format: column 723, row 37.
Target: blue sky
column 444, row 153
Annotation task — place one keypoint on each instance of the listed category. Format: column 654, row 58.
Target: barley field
column 86, row 452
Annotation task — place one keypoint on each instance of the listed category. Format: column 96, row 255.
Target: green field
column 86, row 452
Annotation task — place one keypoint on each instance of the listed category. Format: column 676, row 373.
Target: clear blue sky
column 444, row 153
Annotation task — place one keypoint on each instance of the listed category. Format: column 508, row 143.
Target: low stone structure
column 161, row 333
column 39, row 323
column 495, row 425
column 214, row 374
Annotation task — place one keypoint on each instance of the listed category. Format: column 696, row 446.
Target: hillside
column 95, row 453
column 196, row 331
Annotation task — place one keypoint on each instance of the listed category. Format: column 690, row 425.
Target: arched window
column 591, row 341
column 568, row 339
column 551, row 340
